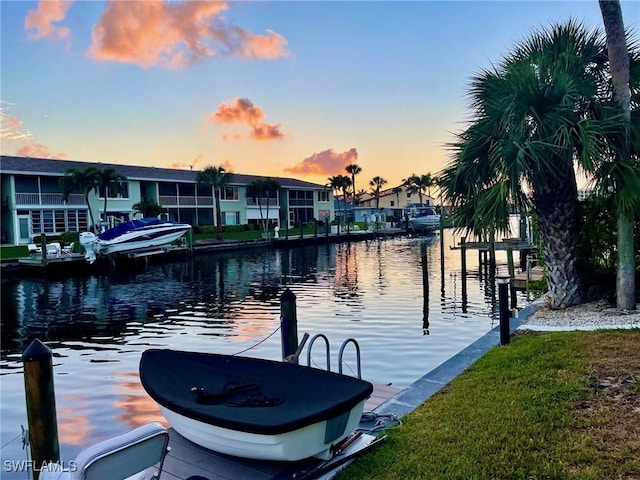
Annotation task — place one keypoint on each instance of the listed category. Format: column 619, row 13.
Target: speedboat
column 425, row 219
column 253, row 408
column 130, row 236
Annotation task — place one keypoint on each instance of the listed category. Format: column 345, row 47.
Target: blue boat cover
column 128, row 226
column 247, row 394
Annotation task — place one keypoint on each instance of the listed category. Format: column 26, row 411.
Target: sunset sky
column 296, row 89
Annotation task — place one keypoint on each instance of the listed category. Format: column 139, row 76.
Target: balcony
column 48, row 199
column 184, row 201
column 252, row 202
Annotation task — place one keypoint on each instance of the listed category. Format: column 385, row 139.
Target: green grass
column 514, row 415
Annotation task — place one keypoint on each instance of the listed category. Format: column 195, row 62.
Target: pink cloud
column 242, row 111
column 327, row 162
column 37, row 150
column 175, row 34
column 41, row 19
column 11, row 128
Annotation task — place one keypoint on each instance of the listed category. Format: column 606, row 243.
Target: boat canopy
column 131, row 225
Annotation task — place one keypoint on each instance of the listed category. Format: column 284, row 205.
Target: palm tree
column 535, row 113
column 147, row 207
column 420, row 184
column 354, row 170
column 84, row 181
column 217, row 178
column 345, row 185
column 619, row 62
column 376, row 185
column 338, row 184
column 397, row 191
column 259, row 190
column 109, row 181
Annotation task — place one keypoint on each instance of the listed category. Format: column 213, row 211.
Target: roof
column 55, row 167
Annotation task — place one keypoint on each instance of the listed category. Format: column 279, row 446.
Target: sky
column 277, row 88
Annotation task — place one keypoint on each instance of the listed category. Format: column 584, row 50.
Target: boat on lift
column 251, row 407
column 131, row 236
column 423, row 218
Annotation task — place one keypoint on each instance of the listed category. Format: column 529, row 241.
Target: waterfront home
column 33, row 202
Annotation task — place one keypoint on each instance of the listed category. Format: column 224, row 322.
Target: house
column 33, row 202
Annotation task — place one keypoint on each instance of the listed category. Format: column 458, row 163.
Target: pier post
column 288, row 323
column 512, row 274
column 301, row 231
column 442, row 241
column 503, row 301
column 425, row 288
column 41, row 405
column 43, row 248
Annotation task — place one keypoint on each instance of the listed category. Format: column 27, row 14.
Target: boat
column 137, row 234
column 424, row 219
column 253, row 408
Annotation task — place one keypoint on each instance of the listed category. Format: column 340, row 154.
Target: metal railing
column 173, row 200
column 24, row 199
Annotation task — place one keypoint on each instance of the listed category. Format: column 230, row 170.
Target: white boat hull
column 296, row 445
column 425, row 224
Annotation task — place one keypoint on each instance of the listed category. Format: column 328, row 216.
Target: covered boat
column 253, row 408
column 425, row 219
column 130, row 236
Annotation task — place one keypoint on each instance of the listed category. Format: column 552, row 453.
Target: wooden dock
column 186, row 459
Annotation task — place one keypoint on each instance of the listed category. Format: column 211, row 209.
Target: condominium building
column 33, row 201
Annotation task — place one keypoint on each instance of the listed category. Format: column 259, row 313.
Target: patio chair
column 129, row 456
column 34, row 249
column 68, row 250
column 53, row 249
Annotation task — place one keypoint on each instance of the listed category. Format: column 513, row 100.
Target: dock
column 186, row 459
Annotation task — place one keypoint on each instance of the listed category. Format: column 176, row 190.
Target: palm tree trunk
column 218, row 215
column 555, row 203
column 619, row 61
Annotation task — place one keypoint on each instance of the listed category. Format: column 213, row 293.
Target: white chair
column 129, row 456
column 68, row 250
column 53, row 249
column 34, row 249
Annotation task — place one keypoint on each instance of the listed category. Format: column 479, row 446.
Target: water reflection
column 382, row 292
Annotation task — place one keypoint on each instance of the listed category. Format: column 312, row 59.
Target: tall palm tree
column 260, row 190
column 217, row 178
column 345, row 186
column 535, row 113
column 354, row 170
column 109, row 181
column 337, row 184
column 620, row 70
column 376, row 184
column 420, row 184
column 83, row 181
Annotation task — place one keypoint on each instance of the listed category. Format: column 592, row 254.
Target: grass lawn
column 562, row 405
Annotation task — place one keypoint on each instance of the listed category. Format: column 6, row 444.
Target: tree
column 83, row 181
column 376, row 184
column 111, row 182
column 354, row 170
column 147, row 207
column 420, row 184
column 259, row 190
column 544, row 107
column 619, row 64
column 217, row 178
column 340, row 184
column 397, row 191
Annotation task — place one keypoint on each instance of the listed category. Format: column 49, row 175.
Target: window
column 58, row 221
column 300, row 198
column 323, row 196
column 116, row 190
column 229, row 193
column 231, row 218
column 393, row 203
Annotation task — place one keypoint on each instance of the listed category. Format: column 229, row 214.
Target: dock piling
column 288, row 323
column 41, row 405
column 503, row 301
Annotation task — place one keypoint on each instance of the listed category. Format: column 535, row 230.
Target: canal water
column 97, row 325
